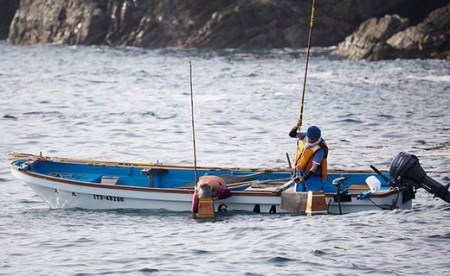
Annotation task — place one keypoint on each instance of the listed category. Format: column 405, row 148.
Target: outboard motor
column 341, row 195
column 406, row 171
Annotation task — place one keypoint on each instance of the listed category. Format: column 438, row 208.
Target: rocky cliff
column 395, row 37
column 204, row 23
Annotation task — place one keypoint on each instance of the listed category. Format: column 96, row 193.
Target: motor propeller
column 406, row 171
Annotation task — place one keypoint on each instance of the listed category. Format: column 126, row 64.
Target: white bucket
column 374, row 183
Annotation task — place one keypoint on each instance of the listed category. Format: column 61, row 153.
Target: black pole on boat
column 193, row 124
column 382, row 176
column 311, row 24
column 289, row 160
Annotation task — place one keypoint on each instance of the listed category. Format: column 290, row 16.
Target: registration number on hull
column 110, row 198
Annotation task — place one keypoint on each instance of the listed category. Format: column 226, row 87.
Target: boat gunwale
column 159, row 190
column 132, row 188
column 32, row 157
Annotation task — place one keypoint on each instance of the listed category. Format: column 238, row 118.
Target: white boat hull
column 60, row 193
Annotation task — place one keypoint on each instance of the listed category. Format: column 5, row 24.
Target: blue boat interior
column 160, row 177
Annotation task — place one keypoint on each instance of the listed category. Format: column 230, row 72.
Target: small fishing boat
column 86, row 184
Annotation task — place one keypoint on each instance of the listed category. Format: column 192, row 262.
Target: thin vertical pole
column 311, row 24
column 193, row 124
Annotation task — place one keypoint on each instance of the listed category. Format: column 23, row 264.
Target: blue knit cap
column 313, row 133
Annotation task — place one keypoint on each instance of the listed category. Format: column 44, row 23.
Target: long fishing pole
column 311, row 24
column 193, row 124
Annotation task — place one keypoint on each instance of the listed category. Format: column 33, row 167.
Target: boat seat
column 358, row 188
column 109, row 180
column 269, row 186
column 261, row 188
column 151, row 173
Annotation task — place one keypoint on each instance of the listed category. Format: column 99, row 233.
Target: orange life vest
column 304, row 157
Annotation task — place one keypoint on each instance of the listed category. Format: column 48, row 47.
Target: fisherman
column 311, row 158
column 209, row 186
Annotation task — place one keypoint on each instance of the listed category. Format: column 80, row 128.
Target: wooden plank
column 316, row 203
column 284, row 187
column 358, row 188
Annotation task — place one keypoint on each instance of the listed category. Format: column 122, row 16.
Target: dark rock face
column 158, row 24
column 392, row 37
column 60, row 22
column 7, row 10
column 191, row 23
column 205, row 23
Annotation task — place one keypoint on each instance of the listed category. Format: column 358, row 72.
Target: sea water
column 130, row 104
